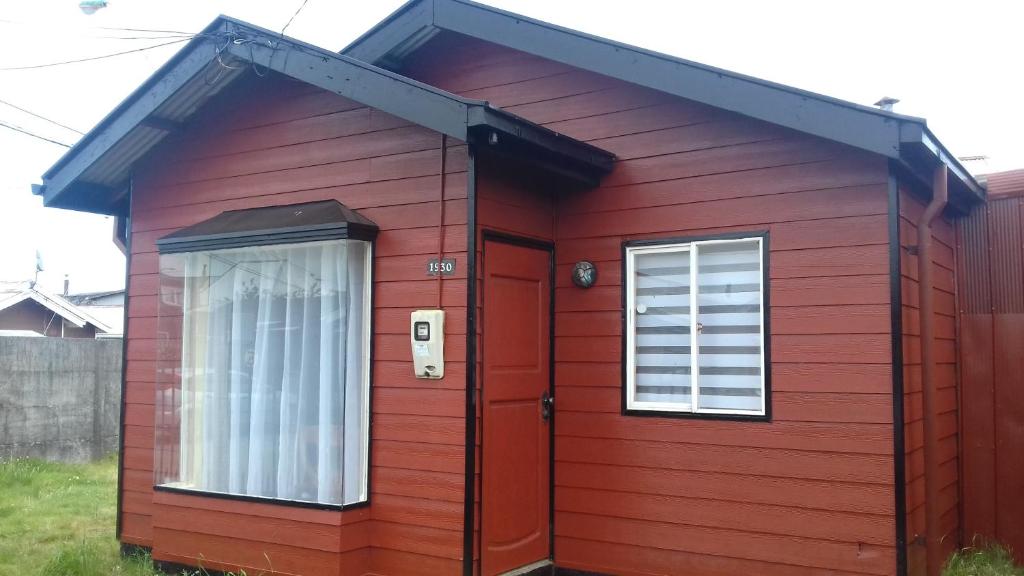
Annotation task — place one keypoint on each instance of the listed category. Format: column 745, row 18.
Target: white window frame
column 692, row 247
column 364, row 432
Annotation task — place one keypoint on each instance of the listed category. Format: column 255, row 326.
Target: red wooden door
column 516, row 494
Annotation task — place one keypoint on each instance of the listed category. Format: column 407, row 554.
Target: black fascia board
column 93, row 198
column 351, row 78
column 863, row 127
column 356, row 80
column 130, row 113
column 392, row 93
column 921, row 139
column 411, row 21
column 411, row 100
column 264, row 238
column 267, row 225
column 164, row 82
column 556, row 153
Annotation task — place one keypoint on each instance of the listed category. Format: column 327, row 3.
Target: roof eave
column 410, row 24
column 922, row 151
column 557, row 153
column 863, row 127
column 394, row 94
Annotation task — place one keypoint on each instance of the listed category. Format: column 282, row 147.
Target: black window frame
column 764, row 237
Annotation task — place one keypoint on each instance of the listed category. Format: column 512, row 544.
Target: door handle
column 547, row 405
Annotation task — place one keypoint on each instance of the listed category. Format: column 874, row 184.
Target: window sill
column 640, row 412
column 259, row 499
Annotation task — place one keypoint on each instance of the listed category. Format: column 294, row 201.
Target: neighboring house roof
column 906, row 140
column 111, row 316
column 1004, row 184
column 94, row 174
column 105, row 298
column 106, row 306
column 12, row 293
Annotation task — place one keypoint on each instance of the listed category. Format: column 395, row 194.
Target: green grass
column 984, row 561
column 50, row 513
column 58, row 520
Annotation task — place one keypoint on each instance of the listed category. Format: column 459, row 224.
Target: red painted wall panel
column 944, row 272
column 809, row 492
column 295, row 144
column 812, row 491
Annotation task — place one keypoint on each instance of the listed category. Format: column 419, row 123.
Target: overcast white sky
column 959, row 64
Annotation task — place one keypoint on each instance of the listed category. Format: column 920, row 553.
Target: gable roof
column 94, row 174
column 904, row 139
column 12, row 293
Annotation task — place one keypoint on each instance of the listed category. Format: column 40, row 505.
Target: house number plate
column 445, row 268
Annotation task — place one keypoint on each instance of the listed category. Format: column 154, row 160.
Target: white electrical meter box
column 427, row 336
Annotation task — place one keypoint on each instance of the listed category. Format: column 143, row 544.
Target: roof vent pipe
column 886, row 103
column 926, row 310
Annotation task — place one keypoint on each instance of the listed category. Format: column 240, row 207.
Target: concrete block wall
column 59, row 398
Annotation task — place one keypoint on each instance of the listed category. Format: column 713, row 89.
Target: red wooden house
column 680, row 309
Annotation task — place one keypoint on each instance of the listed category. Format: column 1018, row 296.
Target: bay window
column 263, row 366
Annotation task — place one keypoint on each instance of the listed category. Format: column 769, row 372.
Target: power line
column 100, row 35
column 51, row 64
column 186, row 36
column 54, row 122
column 303, row 5
column 49, row 26
column 146, row 30
column 26, row 132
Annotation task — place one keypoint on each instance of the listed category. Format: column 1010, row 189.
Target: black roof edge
column 405, row 23
column 502, row 132
column 270, row 225
column 392, row 93
column 134, row 96
column 920, row 134
column 878, row 131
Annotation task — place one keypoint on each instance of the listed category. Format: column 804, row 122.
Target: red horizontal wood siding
column 516, row 203
column 810, row 492
column 944, row 272
column 274, row 141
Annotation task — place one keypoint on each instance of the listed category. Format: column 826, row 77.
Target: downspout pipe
column 926, row 310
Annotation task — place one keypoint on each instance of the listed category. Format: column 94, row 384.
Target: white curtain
column 274, row 371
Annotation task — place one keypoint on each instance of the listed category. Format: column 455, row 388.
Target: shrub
column 992, row 560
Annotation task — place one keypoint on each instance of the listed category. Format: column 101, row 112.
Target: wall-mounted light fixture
column 584, row 274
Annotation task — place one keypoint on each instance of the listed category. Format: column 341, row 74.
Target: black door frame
column 489, row 235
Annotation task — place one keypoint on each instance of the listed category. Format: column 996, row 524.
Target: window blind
column 663, row 327
column 696, row 326
column 729, row 313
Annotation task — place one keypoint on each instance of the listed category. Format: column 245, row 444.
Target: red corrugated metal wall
column 990, row 246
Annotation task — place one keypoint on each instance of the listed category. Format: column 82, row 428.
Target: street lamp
column 91, row 6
